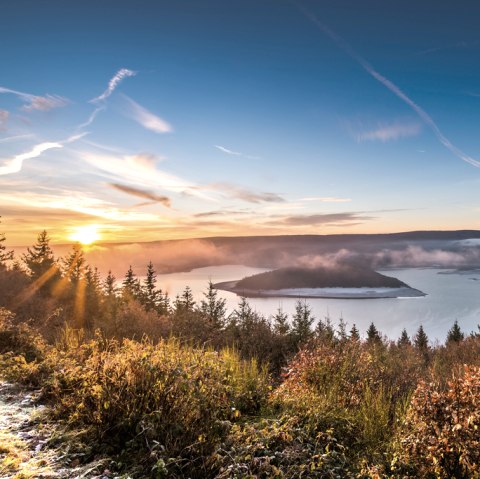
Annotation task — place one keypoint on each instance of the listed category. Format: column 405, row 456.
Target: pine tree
column 131, row 288
column 280, row 322
column 404, row 340
column 74, row 265
column 244, row 316
column 109, row 287
column 4, row 254
column 421, row 340
column 213, row 308
column 92, row 296
column 302, row 321
column 41, row 263
column 325, row 331
column 185, row 302
column 150, row 295
column 354, row 333
column 455, row 334
column 373, row 336
column 342, row 330
column 110, row 300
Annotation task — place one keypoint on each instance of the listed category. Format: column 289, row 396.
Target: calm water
column 449, row 297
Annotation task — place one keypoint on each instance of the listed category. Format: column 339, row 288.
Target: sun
column 85, row 234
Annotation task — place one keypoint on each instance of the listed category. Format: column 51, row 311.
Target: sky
column 149, row 119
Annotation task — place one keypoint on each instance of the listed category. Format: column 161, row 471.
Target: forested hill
column 345, row 276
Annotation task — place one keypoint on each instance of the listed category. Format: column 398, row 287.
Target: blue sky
column 154, row 120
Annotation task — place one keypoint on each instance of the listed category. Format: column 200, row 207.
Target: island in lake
column 341, row 281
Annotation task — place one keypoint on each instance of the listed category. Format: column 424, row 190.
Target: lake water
column 449, row 297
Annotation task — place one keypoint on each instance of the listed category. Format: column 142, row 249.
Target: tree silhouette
column 404, row 339
column 4, row 254
column 280, row 322
column 421, row 340
column 455, row 334
column 213, row 308
column 373, row 336
column 302, row 321
column 354, row 333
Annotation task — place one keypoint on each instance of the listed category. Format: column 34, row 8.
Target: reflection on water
column 449, row 297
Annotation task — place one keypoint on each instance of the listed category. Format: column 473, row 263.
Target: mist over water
column 449, row 297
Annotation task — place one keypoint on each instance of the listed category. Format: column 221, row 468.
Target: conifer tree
column 325, row 331
column 185, row 302
column 4, row 254
column 280, row 322
column 40, row 260
column 213, row 308
column 110, row 298
column 150, row 295
column 92, row 296
column 302, row 321
column 109, row 287
column 455, row 334
column 342, row 330
column 373, row 336
column 404, row 340
column 131, row 288
column 244, row 316
column 354, row 333
column 421, row 340
column 74, row 265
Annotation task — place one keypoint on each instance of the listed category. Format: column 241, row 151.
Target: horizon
column 207, row 120
column 118, row 243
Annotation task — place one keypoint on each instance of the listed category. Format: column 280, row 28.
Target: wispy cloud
column 424, row 116
column 454, row 46
column 326, row 199
column 91, row 118
column 4, row 114
column 140, row 170
column 45, row 103
column 15, row 138
column 235, row 153
column 245, row 194
column 14, row 165
column 148, row 195
column 321, row 219
column 34, row 102
column 389, row 132
column 146, row 118
column 113, row 83
column 75, row 201
column 227, row 151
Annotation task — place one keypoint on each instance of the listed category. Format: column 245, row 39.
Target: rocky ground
column 32, row 447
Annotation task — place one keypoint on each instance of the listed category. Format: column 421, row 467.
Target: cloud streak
column 152, row 197
column 15, row 164
column 146, row 118
column 322, row 219
column 34, row 102
column 113, row 84
column 390, row 132
column 326, row 199
column 424, row 116
column 241, row 193
column 4, row 114
column 227, row 151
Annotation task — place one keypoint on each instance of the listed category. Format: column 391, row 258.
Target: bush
column 281, row 448
column 173, row 402
column 441, row 434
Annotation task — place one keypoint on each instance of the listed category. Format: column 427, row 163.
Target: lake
column 449, row 297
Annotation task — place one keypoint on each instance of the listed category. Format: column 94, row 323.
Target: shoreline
column 326, row 293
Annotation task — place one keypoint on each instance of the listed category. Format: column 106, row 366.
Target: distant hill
column 447, row 249
column 345, row 276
